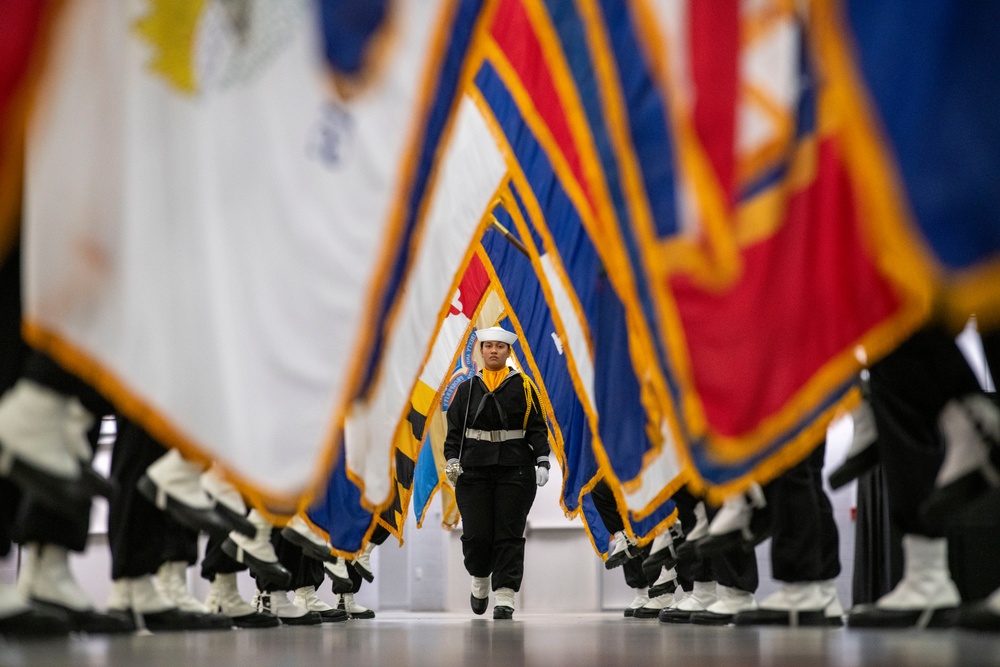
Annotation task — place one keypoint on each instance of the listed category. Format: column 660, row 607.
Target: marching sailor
column 497, row 453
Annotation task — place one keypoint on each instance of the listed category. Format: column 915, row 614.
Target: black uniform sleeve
column 456, row 417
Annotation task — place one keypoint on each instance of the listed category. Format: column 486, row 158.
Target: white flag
column 208, row 228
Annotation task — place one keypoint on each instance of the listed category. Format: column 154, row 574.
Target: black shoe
column 978, row 616
column 781, row 617
column 269, row 575
column 662, row 589
column 338, row 585
column 871, row 616
column 309, row 548
column 854, row 467
column 309, row 618
column 207, row 520
column 236, row 521
column 710, row 618
column 35, row 622
column 502, row 613
column 645, row 612
column 359, row 615
column 654, row 563
column 173, row 619
column 88, row 620
column 256, row 619
column 943, row 503
column 479, row 605
column 747, row 540
column 58, row 494
column 333, row 615
column 674, row 615
column 365, row 573
column 95, row 483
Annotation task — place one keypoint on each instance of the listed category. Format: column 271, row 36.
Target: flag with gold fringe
column 547, row 203
column 203, row 141
column 713, row 143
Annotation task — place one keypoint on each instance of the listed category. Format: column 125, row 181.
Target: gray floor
column 407, row 638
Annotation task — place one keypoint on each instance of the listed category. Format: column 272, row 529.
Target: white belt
column 493, row 436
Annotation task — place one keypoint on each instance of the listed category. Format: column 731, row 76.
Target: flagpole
column 514, row 241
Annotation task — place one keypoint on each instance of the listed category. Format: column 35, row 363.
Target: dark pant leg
column 10, row 502
column 43, row 370
column 909, row 388
column 356, row 579
column 736, row 569
column 305, row 571
column 803, row 526
column 379, row 535
column 37, row 523
column 474, row 493
column 692, row 570
column 607, row 506
column 216, row 561
column 515, row 492
column 635, row 576
column 136, row 528
column 829, row 553
column 13, row 352
column 180, row 543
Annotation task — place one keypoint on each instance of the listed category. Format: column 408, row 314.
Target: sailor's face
column 495, row 354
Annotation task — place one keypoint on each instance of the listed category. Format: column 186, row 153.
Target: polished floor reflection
column 398, row 639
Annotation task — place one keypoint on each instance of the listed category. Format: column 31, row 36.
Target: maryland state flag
column 480, row 307
column 429, row 476
column 427, row 396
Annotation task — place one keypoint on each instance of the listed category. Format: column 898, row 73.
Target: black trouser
column 804, row 538
column 305, row 571
column 607, row 507
column 37, row 523
column 909, row 388
column 733, row 569
column 138, row 532
column 13, row 352
column 494, row 502
column 216, row 561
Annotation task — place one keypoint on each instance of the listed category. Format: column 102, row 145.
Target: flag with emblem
column 217, row 236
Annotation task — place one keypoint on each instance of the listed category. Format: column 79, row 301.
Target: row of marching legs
column 930, row 429
column 159, row 503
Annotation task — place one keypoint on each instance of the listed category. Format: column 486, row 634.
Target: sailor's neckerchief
column 528, row 386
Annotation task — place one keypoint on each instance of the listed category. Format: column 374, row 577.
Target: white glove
column 452, row 470
column 541, row 476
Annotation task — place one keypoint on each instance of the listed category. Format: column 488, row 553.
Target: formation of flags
column 268, row 231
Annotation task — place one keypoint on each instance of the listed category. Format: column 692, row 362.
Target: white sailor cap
column 496, row 333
